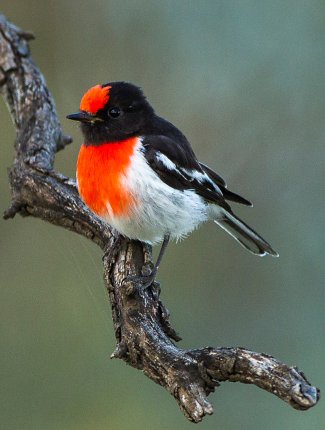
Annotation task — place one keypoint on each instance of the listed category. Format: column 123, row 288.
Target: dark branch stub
column 142, row 329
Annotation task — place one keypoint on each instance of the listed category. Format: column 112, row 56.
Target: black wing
column 228, row 195
column 177, row 166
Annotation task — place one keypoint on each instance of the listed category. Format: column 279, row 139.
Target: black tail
column 246, row 236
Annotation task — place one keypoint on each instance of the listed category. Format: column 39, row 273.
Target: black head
column 112, row 112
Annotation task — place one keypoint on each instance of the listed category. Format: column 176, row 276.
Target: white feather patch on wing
column 166, row 161
column 202, row 177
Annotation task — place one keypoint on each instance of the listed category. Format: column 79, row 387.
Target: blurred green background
column 245, row 82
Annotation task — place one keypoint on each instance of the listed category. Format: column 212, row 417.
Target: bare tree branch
column 143, row 333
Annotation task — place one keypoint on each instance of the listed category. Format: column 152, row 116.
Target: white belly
column 161, row 210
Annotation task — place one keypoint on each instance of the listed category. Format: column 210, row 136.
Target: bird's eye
column 114, row 112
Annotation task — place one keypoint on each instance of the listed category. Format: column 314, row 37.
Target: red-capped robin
column 138, row 172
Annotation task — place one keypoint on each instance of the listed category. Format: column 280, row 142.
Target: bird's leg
column 146, row 280
column 161, row 253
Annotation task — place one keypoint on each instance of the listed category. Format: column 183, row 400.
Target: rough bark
column 144, row 336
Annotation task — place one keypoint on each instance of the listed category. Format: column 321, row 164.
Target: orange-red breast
column 139, row 173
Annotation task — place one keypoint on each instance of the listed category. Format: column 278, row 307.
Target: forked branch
column 143, row 333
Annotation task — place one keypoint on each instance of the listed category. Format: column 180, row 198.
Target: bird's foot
column 140, row 283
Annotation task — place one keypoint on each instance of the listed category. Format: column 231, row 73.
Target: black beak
column 82, row 116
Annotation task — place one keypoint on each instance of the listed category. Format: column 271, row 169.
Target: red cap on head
column 94, row 99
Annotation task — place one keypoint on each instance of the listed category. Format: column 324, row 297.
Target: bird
column 138, row 173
